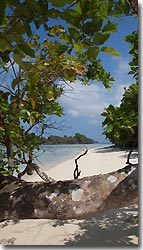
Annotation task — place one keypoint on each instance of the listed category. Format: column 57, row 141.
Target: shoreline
column 97, row 161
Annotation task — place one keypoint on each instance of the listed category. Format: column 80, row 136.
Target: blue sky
column 83, row 105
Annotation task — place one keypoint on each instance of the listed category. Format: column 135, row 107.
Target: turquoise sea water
column 55, row 154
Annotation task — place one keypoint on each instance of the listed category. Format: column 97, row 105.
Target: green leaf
column 103, row 9
column 87, row 43
column 28, row 30
column 4, row 172
column 93, row 26
column 110, row 27
column 5, row 56
column 4, row 45
column 35, row 6
column 111, row 108
column 109, row 128
column 14, row 83
column 14, row 37
column 56, row 30
column 74, row 34
column 61, row 49
column 93, row 52
column 50, row 93
column 110, row 50
column 35, row 77
column 26, row 49
column 18, row 60
column 33, row 103
column 53, row 13
column 71, row 16
column 60, row 3
column 100, row 38
column 2, row 10
column 124, row 6
column 78, row 46
column 66, row 38
column 78, row 7
column 18, row 28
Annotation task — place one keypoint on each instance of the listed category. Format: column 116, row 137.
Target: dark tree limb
column 67, row 199
column 43, row 175
column 31, row 167
column 77, row 173
column 131, row 150
column 134, row 6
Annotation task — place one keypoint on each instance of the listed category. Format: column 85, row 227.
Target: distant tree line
column 76, row 139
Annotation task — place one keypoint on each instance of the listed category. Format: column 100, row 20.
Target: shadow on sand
column 112, row 149
column 5, row 223
column 113, row 228
column 109, row 149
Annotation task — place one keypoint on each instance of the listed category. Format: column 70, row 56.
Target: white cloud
column 121, row 69
column 118, row 93
column 122, row 66
column 85, row 101
column 89, row 101
column 73, row 113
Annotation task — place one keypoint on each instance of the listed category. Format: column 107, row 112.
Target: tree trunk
column 67, row 199
column 7, row 142
column 134, row 6
column 9, row 154
column 131, row 150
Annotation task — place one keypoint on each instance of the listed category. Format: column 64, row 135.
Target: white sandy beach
column 111, row 228
column 96, row 161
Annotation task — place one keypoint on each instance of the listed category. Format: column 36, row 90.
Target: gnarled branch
column 77, row 173
column 31, row 167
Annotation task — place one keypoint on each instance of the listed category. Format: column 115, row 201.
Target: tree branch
column 131, row 150
column 134, row 6
column 7, row 89
column 12, row 65
column 31, row 167
column 67, row 199
column 77, row 173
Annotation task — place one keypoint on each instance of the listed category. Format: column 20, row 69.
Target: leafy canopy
column 74, row 34
column 121, row 123
column 82, row 27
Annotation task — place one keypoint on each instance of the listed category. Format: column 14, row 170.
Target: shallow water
column 51, row 155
